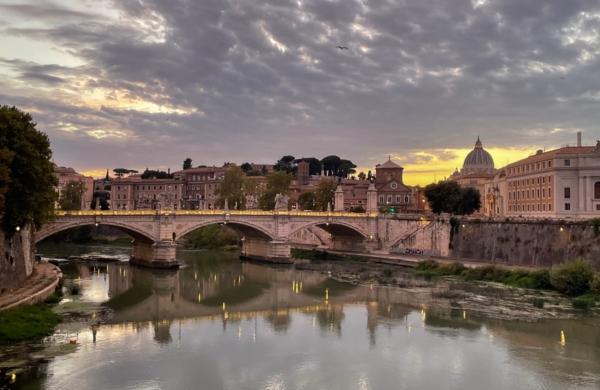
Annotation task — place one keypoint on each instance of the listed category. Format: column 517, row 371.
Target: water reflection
column 222, row 324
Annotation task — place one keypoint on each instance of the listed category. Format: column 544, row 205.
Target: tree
column 120, row 172
column 331, row 165
column 155, row 174
column 70, row 198
column 362, row 176
column 346, row 168
column 27, row 178
column 286, row 164
column 232, row 188
column 450, row 197
column 470, row 201
column 246, row 167
column 187, row 163
column 278, row 182
column 307, row 200
column 325, row 194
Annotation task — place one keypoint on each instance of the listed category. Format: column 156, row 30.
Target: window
column 598, row 207
column 567, row 163
column 597, row 190
column 567, row 192
column 381, row 199
column 397, row 199
column 389, row 199
column 550, row 164
column 567, row 206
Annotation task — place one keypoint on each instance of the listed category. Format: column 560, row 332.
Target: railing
column 90, row 213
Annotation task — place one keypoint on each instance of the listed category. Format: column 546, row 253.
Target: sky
column 147, row 83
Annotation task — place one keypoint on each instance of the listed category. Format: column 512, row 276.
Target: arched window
column 597, row 190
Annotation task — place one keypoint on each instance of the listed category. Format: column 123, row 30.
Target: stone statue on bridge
column 281, row 202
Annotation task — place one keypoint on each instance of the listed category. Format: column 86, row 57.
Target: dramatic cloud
column 149, row 82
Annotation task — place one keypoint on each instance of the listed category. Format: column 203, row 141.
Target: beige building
column 201, row 186
column 66, row 175
column 135, row 193
column 561, row 183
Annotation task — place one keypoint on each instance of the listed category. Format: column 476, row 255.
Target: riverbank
column 482, row 290
column 37, row 287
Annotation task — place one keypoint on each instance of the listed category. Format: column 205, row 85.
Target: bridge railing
column 88, row 213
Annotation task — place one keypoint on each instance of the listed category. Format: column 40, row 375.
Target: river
column 218, row 323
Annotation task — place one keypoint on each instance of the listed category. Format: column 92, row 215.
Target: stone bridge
column 266, row 235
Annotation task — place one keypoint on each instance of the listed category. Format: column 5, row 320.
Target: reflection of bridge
column 265, row 234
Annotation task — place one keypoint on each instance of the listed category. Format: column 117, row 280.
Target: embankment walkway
column 41, row 284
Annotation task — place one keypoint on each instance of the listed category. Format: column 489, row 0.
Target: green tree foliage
column 187, row 163
column 70, row 198
column 120, row 172
column 232, row 188
column 100, row 200
column 278, row 182
column 307, row 200
column 286, row 164
column 572, row 278
column 155, row 174
column 246, row 167
column 346, row 168
column 331, row 164
column 27, row 178
column 6, row 157
column 325, row 194
column 450, row 197
column 212, row 236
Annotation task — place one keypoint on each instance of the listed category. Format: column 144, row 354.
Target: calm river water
column 219, row 323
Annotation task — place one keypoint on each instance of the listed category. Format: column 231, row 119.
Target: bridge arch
column 246, row 228
column 335, row 228
column 53, row 228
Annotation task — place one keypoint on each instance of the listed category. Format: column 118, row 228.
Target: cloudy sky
column 146, row 83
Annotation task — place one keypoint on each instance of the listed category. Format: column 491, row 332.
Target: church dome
column 478, row 161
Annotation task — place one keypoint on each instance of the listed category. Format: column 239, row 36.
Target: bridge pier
column 160, row 254
column 275, row 251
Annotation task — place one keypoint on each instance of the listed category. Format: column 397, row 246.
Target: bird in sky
column 342, row 47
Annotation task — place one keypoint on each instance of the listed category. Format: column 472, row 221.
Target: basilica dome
column 478, row 161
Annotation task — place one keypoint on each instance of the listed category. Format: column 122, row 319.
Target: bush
column 584, row 302
column 573, row 278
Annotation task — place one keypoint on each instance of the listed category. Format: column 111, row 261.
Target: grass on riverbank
column 27, row 323
column 575, row 279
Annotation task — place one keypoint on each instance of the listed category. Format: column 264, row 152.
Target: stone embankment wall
column 528, row 243
column 16, row 258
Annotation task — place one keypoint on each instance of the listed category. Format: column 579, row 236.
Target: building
column 477, row 171
column 201, row 186
column 135, row 193
column 391, row 190
column 561, row 183
column 65, row 175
